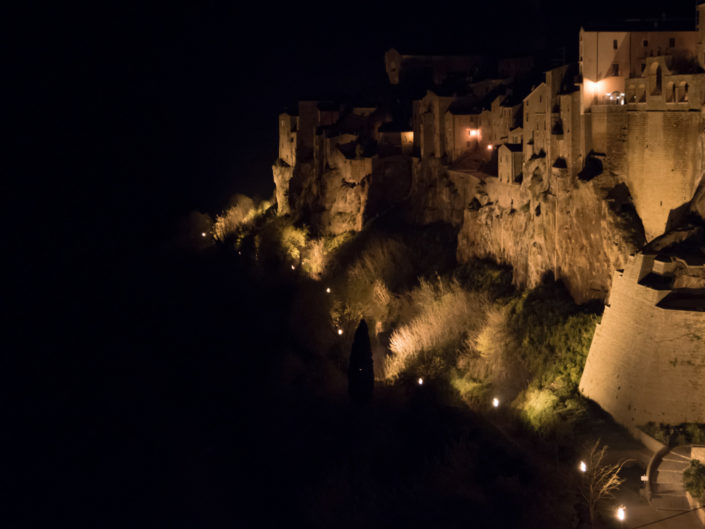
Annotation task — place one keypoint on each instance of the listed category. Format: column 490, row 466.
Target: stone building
column 510, row 161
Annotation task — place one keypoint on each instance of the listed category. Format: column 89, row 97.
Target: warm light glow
column 473, row 133
column 583, row 466
column 328, row 290
column 340, row 332
column 203, row 234
column 592, row 87
column 495, row 402
column 490, row 147
column 293, row 267
column 420, row 381
column 621, row 513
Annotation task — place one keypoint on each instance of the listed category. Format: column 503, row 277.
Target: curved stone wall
column 646, row 362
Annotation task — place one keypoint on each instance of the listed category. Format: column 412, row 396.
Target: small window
column 672, row 42
column 643, row 65
column 615, row 70
column 614, row 44
column 645, row 43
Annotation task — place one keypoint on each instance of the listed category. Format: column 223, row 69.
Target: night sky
column 124, row 118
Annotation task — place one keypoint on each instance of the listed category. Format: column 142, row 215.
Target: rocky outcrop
column 570, row 228
column 283, row 174
column 436, row 195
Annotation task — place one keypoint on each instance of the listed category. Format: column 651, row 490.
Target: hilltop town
column 590, row 171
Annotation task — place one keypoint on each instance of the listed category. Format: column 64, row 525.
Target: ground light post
column 600, row 481
column 621, row 515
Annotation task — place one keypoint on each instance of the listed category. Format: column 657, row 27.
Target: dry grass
column 241, row 213
column 446, row 315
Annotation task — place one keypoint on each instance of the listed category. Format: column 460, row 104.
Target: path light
column 582, row 466
column 293, row 267
column 621, row 513
column 328, row 290
column 420, row 381
column 340, row 332
column 203, row 234
column 495, row 402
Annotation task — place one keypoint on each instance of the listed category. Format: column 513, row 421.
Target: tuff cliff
column 577, row 230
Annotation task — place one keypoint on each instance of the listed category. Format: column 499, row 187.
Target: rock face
column 574, row 230
column 336, row 170
column 647, row 358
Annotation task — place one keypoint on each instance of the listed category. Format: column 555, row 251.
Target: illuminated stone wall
column 646, row 363
column 657, row 154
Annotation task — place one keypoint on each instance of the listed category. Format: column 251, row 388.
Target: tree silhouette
column 601, row 480
column 360, row 370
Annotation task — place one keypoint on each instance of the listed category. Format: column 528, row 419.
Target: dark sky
column 140, row 113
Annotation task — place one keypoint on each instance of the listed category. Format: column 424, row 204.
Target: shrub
column 240, row 214
column 694, row 480
column 446, row 315
column 673, row 435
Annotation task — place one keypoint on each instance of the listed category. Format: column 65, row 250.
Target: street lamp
column 495, row 402
column 340, row 332
column 328, row 290
column 582, row 466
column 420, row 381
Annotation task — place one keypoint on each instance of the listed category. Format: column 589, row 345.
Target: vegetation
column 694, row 480
column 360, row 369
column 601, row 481
column 674, row 435
column 465, row 329
column 465, row 324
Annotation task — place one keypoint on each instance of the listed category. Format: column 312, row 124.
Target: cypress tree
column 360, row 371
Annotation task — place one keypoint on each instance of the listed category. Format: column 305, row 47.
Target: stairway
column 668, row 492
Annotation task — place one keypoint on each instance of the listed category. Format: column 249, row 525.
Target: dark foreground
column 167, row 391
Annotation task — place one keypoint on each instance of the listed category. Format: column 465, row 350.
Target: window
column 615, row 70
column 672, row 42
column 645, row 43
column 614, row 44
column 643, row 65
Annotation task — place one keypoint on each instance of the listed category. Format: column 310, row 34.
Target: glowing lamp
column 420, row 381
column 328, row 290
column 340, row 332
column 582, row 466
column 495, row 402
column 293, row 267
column 203, row 234
column 621, row 513
column 472, row 133
column 489, row 147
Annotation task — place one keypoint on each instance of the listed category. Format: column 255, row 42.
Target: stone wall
column 646, row 363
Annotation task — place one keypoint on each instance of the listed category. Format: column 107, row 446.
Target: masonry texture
column 647, row 358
